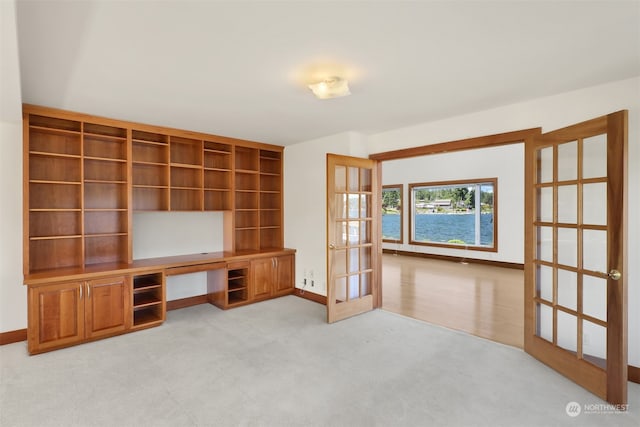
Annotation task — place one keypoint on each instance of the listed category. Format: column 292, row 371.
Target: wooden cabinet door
column 107, row 306
column 56, row 316
column 284, row 276
column 261, row 278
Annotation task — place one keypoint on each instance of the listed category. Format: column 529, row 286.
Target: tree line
column 459, row 196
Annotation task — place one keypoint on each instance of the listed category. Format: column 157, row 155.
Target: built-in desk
column 69, row 306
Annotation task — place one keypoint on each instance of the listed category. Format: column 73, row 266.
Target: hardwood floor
column 482, row 300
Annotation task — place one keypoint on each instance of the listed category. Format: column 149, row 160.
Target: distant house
column 441, row 203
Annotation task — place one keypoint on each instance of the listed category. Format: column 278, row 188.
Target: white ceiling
column 240, row 68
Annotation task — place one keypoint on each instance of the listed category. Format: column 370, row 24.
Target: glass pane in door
column 594, row 250
column 354, row 206
column 544, row 283
column 568, row 204
column 567, row 334
column 354, row 180
column 594, row 157
column 354, row 260
column 568, row 161
column 365, row 203
column 545, row 244
column 341, row 178
column 341, row 206
column 341, row 289
column 568, row 289
column 339, row 262
column 545, row 165
column 354, row 286
column 365, row 179
column 594, row 297
column 568, row 247
column 594, row 343
column 365, row 284
column 365, row 257
column 545, row 204
column 341, row 234
column 594, row 202
column 544, row 322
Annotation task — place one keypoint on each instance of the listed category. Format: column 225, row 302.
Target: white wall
column 551, row 113
column 505, row 163
column 13, row 295
column 305, row 201
column 182, row 233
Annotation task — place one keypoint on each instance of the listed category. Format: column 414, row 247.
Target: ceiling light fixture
column 331, row 87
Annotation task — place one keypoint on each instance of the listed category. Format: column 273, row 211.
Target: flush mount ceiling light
column 331, row 87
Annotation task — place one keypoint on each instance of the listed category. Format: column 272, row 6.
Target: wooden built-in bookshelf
column 85, row 176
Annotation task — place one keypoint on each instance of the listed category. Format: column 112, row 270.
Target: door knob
column 332, row 246
column 615, row 275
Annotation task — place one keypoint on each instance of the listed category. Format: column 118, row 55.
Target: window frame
column 473, row 181
column 400, row 188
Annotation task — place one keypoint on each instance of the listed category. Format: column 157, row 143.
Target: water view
column 443, row 228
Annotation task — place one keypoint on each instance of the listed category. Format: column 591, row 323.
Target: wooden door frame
column 487, row 141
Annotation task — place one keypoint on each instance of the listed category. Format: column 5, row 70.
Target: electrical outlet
column 304, row 281
column 312, row 283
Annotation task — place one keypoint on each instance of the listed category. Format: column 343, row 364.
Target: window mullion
column 476, row 203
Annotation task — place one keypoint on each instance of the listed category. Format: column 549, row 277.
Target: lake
column 443, row 227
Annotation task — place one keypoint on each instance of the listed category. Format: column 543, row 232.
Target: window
column 455, row 214
column 392, row 213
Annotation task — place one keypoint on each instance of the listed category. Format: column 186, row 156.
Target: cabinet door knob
column 88, row 291
column 81, row 287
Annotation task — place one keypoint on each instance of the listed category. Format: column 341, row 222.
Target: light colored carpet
column 278, row 363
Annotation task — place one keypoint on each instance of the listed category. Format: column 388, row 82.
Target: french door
column 575, row 280
column 353, row 222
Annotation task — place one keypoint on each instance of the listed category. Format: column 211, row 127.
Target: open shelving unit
column 247, row 199
column 86, row 175
column 148, row 300
column 54, row 157
column 270, row 199
column 186, row 174
column 77, row 193
column 218, row 176
column 105, row 194
column 150, row 180
column 237, row 284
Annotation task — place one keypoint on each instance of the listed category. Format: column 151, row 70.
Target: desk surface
column 146, row 265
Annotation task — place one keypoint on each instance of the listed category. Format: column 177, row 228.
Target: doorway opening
column 419, row 278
